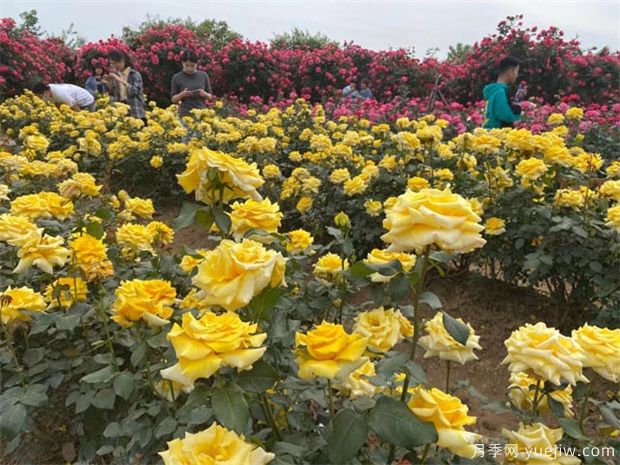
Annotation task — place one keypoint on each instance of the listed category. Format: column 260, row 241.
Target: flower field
column 299, row 327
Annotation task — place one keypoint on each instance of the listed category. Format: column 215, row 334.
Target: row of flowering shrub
column 242, row 69
column 258, row 348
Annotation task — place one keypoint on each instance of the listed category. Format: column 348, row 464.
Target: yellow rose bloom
column 241, row 178
column 613, row 170
column 74, row 290
column 251, row 214
column 389, row 202
column 91, row 256
column 271, row 171
column 79, row 184
column 431, row 216
column 588, row 162
column 4, row 192
column 610, row 189
column 216, row 445
column 357, row 383
column 42, row 205
column 383, row 257
column 298, row 241
column 613, row 218
column 602, row 349
column 531, row 169
column 389, row 163
column 439, row 343
column 570, row 198
column 342, row 220
column 545, row 353
column 156, row 162
column 304, row 204
column 328, row 351
column 355, row 186
column 574, row 113
column 14, row 300
column 142, row 208
column 534, row 443
column 449, row 415
column 43, row 251
column 494, row 226
column 444, row 174
column 161, row 232
column 330, row 266
column 522, row 391
column 555, row 118
column 339, row 176
column 16, row 230
column 233, row 273
column 147, row 300
column 373, row 207
column 383, row 328
column 205, row 345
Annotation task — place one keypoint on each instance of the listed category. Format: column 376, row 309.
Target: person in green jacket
column 499, row 112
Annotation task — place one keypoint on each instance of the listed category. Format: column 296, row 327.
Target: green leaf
column 138, row 355
column 260, row 378
column 360, row 270
column 35, row 396
column 12, row 420
column 204, row 218
column 103, row 214
column 95, row 229
column 230, row 409
column 197, row 416
column 459, row 331
column 68, row 322
column 431, row 300
column 113, row 430
column 398, row 288
column 33, row 356
column 100, row 376
column 396, row 424
column 349, row 432
column 187, row 215
column 222, row 220
column 610, row 417
column 556, row 407
column 124, row 384
column 571, row 428
column 166, row 427
column 389, row 365
column 104, row 399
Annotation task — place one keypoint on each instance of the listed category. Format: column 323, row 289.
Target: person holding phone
column 190, row 87
column 125, row 84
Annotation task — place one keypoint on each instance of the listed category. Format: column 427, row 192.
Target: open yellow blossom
column 494, row 226
column 136, row 237
column 530, row 169
column 330, row 266
column 545, row 353
column 147, row 300
column 439, row 343
column 14, row 300
column 571, row 198
column 602, row 349
column 69, row 290
column 142, row 208
column 205, row 345
column 271, row 171
column 613, row 218
column 522, row 390
column 328, row 351
column 43, row 251
column 534, row 443
column 156, row 162
column 611, row 189
column 355, row 186
column 233, row 273
column 91, row 256
column 162, row 233
column 43, row 204
column 339, row 176
column 449, row 416
column 16, row 230
column 373, row 207
column 383, row 257
column 215, row 445
column 298, row 241
column 432, row 217
column 251, row 214
column 304, row 204
column 79, row 184
column 383, row 328
column 357, row 383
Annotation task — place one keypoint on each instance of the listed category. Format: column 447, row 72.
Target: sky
column 376, row 25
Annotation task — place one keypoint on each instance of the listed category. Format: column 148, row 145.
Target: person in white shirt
column 74, row 96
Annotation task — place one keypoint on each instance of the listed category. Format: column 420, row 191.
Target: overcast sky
column 372, row 24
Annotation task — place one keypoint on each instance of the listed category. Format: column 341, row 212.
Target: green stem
column 147, row 363
column 403, row 395
column 104, row 320
column 584, row 406
column 417, row 320
column 20, row 369
column 330, row 399
column 447, row 376
column 391, row 454
column 427, row 448
column 536, row 399
column 270, row 419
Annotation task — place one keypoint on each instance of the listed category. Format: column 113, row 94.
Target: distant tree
column 299, row 38
column 30, row 22
column 71, row 38
column 432, row 52
column 217, row 33
column 459, row 52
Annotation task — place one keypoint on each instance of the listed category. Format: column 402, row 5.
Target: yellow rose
column 383, row 328
column 16, row 230
column 545, row 353
column 330, row 266
column 91, row 256
column 339, row 176
column 204, row 346
column 161, row 232
column 329, row 351
column 215, row 445
column 571, row 198
column 522, row 391
column 611, row 189
column 73, row 290
column 417, row 183
column 494, row 226
column 304, row 204
column 4, row 192
column 555, row 118
column 373, row 207
column 232, row 274
column 531, row 169
column 355, row 186
column 156, row 162
column 42, row 251
column 449, row 415
column 613, row 170
column 14, row 300
column 357, row 383
column 613, row 218
column 444, row 174
column 439, row 343
column 271, row 171
column 205, row 167
column 342, row 220
column 536, row 445
column 383, row 257
column 602, row 349
column 251, row 214
column 136, row 237
column 43, row 204
column 431, row 216
column 188, row 263
column 142, row 208
column 79, row 184
column 574, row 113
column 147, row 300
column 298, row 241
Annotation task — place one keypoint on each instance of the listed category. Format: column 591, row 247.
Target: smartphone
column 195, row 91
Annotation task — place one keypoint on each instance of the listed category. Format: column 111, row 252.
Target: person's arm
column 504, row 110
column 176, row 94
column 134, row 85
column 91, row 85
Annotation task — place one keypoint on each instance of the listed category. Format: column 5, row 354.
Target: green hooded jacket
column 498, row 112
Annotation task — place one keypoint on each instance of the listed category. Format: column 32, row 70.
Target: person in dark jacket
column 190, row 87
column 499, row 112
column 125, row 84
column 95, row 83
